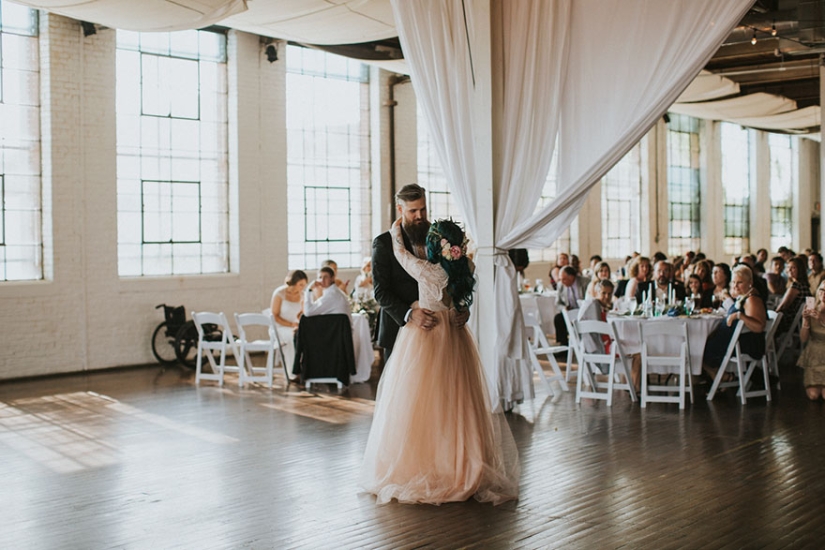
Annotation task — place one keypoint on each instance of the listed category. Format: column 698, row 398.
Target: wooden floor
column 142, row 458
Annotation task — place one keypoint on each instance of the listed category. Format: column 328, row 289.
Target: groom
column 395, row 289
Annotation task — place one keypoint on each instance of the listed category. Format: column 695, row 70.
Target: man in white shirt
column 331, row 301
column 571, row 295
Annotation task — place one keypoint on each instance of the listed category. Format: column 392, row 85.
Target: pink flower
column 455, row 251
column 443, row 243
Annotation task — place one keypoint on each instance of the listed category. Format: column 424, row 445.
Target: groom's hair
column 410, row 192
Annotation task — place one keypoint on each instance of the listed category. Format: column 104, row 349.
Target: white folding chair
column 247, row 370
column 540, row 346
column 589, row 366
column 770, row 346
column 573, row 341
column 742, row 366
column 206, row 346
column 787, row 340
column 655, row 336
column 281, row 357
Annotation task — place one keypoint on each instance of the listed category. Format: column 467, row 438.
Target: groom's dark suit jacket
column 395, row 289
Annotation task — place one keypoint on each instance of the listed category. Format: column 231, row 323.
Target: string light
column 753, row 39
column 773, row 29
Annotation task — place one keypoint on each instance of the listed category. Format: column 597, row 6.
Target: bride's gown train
column 433, row 437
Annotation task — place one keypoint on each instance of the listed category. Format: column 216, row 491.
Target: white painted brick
column 84, row 316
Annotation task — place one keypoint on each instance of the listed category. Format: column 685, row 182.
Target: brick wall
column 84, row 316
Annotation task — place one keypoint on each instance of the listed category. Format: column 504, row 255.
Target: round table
column 699, row 328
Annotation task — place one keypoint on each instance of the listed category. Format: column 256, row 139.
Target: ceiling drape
column 600, row 71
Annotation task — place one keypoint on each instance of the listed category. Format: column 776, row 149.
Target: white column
column 821, row 150
column 483, row 121
column 803, row 195
column 712, row 194
column 761, row 199
column 590, row 231
column 381, row 109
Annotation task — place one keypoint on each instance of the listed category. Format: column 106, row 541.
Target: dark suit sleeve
column 382, row 258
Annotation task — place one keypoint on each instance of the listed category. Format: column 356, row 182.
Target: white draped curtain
column 597, row 73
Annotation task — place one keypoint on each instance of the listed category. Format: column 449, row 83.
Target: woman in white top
column 363, row 283
column 287, row 306
column 601, row 271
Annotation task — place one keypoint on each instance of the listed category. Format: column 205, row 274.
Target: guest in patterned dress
column 812, row 334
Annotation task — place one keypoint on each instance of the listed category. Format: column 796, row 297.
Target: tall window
column 683, row 184
column 569, row 239
column 736, row 187
column 21, row 210
column 172, row 182
column 782, row 183
column 328, row 178
column 621, row 202
column 440, row 202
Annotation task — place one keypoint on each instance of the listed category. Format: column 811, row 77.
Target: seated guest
column 332, row 299
column 794, row 297
column 786, row 253
column 812, row 333
column 759, row 283
column 694, row 288
column 703, row 269
column 678, row 264
column 338, row 282
column 363, row 283
column 600, row 272
column 576, row 264
column 660, row 285
column 776, row 276
column 815, row 271
column 572, row 293
column 721, row 282
column 760, row 259
column 521, row 259
column 595, row 260
column 659, row 256
column 562, row 260
column 639, row 273
column 596, row 310
column 749, row 308
column 287, row 305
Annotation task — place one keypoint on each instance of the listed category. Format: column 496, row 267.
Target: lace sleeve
column 420, row 270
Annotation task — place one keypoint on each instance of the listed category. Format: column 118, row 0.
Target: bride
column 433, row 437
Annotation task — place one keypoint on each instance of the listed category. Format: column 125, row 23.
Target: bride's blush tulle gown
column 433, row 437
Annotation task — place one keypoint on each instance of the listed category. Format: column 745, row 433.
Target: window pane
column 21, row 217
column 621, row 201
column 782, row 184
column 171, row 162
column 568, row 241
column 736, row 188
column 328, row 179
column 683, row 188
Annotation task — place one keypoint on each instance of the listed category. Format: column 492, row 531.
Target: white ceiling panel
column 144, row 15
column 321, row 22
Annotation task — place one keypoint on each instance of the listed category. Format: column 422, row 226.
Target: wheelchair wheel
column 163, row 345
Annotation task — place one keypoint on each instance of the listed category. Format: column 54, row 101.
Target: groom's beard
column 416, row 232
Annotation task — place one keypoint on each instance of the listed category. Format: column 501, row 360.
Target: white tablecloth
column 627, row 330
column 362, row 343
column 546, row 305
